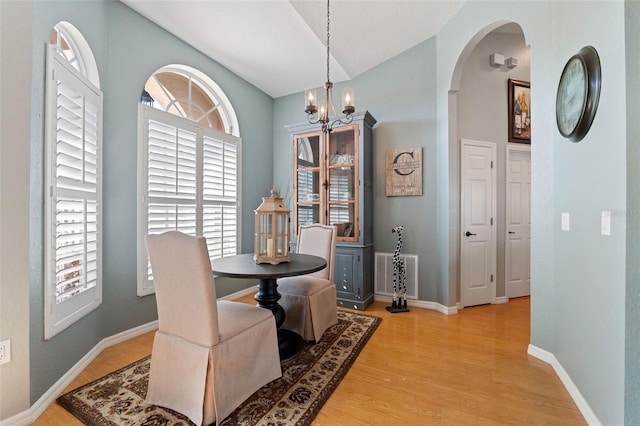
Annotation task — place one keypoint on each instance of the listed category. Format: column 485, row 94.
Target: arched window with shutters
column 189, row 169
column 73, row 180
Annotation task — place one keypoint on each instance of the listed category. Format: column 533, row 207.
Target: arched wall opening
column 478, row 110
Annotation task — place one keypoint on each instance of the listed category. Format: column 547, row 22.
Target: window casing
column 191, row 94
column 73, row 194
column 188, row 181
column 65, row 45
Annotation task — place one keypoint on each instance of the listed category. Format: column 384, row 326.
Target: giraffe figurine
column 396, row 264
column 399, row 303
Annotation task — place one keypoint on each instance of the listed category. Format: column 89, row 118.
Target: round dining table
column 244, row 266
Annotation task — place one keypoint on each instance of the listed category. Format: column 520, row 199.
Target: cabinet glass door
column 309, row 179
column 343, row 182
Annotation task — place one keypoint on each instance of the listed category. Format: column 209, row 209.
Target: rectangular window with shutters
column 73, row 201
column 188, row 181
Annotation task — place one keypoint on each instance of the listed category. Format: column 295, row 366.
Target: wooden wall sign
column 403, row 171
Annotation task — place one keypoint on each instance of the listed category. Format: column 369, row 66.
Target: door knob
column 512, row 232
column 468, row 234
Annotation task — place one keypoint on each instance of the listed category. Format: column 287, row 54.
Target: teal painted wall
column 400, row 95
column 589, row 177
column 632, row 308
column 128, row 49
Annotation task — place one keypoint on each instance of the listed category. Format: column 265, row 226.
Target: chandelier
column 322, row 117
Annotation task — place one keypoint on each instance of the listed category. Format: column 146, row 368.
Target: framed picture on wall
column 403, row 171
column 519, row 111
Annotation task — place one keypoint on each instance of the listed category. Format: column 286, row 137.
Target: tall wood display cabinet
column 333, row 184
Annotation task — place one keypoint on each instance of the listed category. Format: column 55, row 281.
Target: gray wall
column 632, row 311
column 400, row 94
column 128, row 49
column 482, row 115
column 15, row 84
column 589, row 177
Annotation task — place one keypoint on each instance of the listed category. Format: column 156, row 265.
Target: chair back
column 319, row 240
column 185, row 291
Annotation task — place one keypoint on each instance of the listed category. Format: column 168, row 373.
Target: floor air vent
column 384, row 274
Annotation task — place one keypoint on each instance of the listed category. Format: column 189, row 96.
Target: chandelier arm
column 348, row 118
column 312, row 120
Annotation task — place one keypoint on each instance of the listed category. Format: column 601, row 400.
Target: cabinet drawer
column 344, row 272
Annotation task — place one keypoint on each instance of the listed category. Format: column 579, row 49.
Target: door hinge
column 492, row 164
column 491, row 221
column 491, row 277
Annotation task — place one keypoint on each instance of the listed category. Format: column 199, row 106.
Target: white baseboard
column 29, row 416
column 447, row 310
column 577, row 397
column 21, row 419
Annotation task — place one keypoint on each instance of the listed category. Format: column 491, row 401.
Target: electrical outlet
column 5, row 351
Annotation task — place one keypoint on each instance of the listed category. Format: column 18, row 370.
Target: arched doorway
column 478, row 111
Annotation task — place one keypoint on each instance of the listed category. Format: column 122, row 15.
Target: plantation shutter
column 73, row 205
column 172, row 179
column 190, row 184
column 220, row 189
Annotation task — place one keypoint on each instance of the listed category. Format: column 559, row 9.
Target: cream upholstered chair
column 309, row 301
column 208, row 356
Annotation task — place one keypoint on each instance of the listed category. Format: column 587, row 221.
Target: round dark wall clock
column 578, row 94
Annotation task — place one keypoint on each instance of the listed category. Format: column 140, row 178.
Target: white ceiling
column 279, row 45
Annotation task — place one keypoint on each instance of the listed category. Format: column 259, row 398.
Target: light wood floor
column 420, row 368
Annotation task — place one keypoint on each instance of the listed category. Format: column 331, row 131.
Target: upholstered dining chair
column 309, row 301
column 208, row 356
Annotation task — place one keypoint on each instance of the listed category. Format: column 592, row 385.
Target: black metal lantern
column 146, row 98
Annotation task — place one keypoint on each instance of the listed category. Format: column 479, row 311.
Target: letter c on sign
column 395, row 162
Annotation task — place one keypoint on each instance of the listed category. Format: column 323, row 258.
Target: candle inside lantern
column 271, row 247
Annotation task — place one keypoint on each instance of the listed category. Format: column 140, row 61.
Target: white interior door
column 518, row 221
column 478, row 206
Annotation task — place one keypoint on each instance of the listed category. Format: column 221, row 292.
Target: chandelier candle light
column 272, row 231
column 311, row 107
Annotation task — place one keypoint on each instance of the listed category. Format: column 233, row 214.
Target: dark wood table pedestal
column 290, row 344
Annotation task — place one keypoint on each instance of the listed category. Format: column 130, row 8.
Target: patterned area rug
column 295, row 399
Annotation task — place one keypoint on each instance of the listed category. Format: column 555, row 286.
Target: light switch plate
column 606, row 223
column 565, row 222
